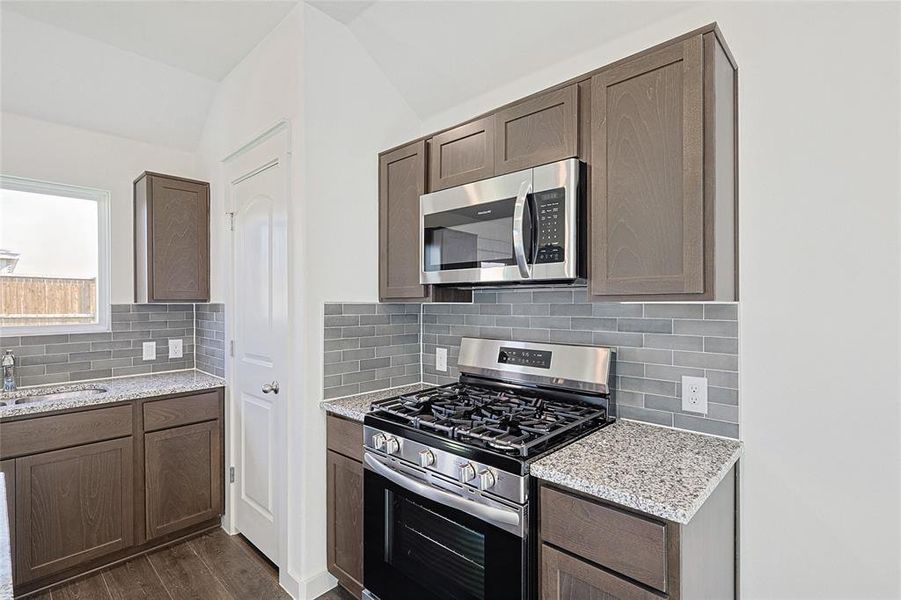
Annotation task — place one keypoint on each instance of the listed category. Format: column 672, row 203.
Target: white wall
column 58, row 153
column 819, row 162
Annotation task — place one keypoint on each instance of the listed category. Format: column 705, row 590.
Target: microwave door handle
column 519, row 246
column 489, row 514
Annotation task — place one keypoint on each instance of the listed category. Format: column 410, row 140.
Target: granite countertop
column 355, row 407
column 117, row 389
column 6, row 574
column 656, row 470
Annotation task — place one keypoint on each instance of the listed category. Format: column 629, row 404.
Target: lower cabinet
column 73, row 505
column 91, row 486
column 565, row 577
column 183, row 477
column 344, row 512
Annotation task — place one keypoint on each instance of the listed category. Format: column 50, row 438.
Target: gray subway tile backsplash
column 370, row 347
column 656, row 343
column 210, row 331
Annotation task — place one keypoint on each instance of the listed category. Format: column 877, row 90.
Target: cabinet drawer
column 621, row 541
column 345, row 437
column 565, row 577
column 538, row 131
column 61, row 431
column 173, row 412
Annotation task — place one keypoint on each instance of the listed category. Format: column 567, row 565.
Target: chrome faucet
column 9, row 371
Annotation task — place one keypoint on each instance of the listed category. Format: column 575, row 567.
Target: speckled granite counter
column 356, row 407
column 663, row 472
column 117, row 389
column 6, row 574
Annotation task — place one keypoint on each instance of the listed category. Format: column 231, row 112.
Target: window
column 54, row 258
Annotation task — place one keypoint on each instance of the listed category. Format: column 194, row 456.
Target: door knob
column 270, row 387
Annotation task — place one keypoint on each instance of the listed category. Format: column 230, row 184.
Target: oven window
column 421, row 543
column 472, row 237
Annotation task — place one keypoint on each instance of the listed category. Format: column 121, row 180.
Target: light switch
column 149, row 350
column 441, row 359
column 175, row 348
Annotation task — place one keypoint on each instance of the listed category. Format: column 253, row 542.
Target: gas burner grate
column 500, row 419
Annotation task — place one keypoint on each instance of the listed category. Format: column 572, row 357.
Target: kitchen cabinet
column 183, row 477
column 8, row 468
column 172, row 239
column 344, row 508
column 462, row 155
column 537, row 131
column 72, row 505
column 594, row 549
column 93, row 485
column 662, row 186
column 401, row 182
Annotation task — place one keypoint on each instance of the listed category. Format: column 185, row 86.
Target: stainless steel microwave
column 522, row 227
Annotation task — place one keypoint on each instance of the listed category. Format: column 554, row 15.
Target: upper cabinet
column 658, row 134
column 401, row 182
column 462, row 154
column 662, row 200
column 537, row 131
column 172, row 239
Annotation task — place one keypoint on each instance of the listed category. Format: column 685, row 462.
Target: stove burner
column 511, row 422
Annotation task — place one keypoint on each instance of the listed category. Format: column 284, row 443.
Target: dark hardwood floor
column 214, row 566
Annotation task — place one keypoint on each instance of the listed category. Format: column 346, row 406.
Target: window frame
column 102, row 198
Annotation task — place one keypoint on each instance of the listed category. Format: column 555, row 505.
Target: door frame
column 239, row 164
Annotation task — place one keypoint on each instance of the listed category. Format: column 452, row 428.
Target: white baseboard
column 314, row 586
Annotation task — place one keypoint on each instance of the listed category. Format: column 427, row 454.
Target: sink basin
column 53, row 396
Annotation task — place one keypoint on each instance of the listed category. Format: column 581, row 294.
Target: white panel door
column 261, row 341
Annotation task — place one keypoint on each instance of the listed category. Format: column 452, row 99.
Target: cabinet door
column 179, row 252
column 72, row 506
column 401, row 182
column 565, row 577
column 8, row 468
column 647, row 193
column 462, row 155
column 183, row 477
column 538, row 131
column 345, row 521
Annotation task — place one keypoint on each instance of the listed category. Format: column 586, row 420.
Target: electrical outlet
column 149, row 350
column 441, row 359
column 175, row 350
column 694, row 394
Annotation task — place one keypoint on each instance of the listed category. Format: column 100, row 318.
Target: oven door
column 423, row 541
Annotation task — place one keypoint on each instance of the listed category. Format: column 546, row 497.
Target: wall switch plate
column 694, row 394
column 175, row 350
column 149, row 350
column 441, row 359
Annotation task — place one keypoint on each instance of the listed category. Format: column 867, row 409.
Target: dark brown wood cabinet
column 401, row 182
column 172, row 239
column 8, row 468
column 183, row 477
column 591, row 549
column 537, row 131
column 72, row 505
column 89, row 486
column 655, row 201
column 462, row 155
column 344, row 508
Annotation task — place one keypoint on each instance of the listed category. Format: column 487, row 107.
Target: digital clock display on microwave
column 540, row 359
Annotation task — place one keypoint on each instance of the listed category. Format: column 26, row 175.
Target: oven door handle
column 519, row 244
column 489, row 514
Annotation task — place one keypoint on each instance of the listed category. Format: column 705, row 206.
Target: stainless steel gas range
column 447, row 495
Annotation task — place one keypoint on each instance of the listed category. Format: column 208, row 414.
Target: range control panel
column 551, row 225
column 540, row 359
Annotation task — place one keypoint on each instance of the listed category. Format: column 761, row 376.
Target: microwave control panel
column 551, row 209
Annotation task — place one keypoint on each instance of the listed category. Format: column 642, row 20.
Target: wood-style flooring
column 214, row 566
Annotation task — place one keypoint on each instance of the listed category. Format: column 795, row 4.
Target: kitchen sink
column 53, row 396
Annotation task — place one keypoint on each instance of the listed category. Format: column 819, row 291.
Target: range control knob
column 391, row 445
column 426, row 458
column 378, row 440
column 467, row 473
column 486, row 479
